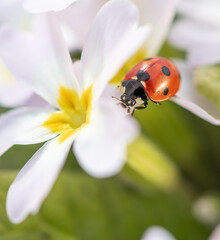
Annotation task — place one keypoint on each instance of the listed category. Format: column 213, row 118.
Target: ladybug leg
column 129, row 110
column 133, row 112
column 141, row 107
column 158, row 103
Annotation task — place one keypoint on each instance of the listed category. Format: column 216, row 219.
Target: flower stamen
column 73, row 115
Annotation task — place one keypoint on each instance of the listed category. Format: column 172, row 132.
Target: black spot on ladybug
column 165, row 71
column 165, row 91
column 142, row 75
column 147, row 59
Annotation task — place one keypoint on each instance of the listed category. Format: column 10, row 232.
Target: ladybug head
column 127, row 100
column 133, row 95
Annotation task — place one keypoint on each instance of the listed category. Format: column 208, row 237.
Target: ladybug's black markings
column 147, row 59
column 165, row 71
column 142, row 76
column 165, row 91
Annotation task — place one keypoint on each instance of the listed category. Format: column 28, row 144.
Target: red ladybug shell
column 159, row 76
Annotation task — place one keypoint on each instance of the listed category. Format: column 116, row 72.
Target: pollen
column 73, row 114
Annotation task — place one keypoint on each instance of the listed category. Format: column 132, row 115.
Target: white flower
column 12, row 92
column 158, row 13
column 79, row 111
column 197, row 32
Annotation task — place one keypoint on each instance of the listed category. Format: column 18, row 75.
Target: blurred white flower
column 79, row 111
column 197, row 31
column 12, row 92
column 12, row 12
column 158, row 13
column 157, row 233
column 41, row 6
column 206, row 209
column 160, row 233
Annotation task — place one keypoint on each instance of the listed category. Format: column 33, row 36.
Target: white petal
column 77, row 68
column 23, row 126
column 35, row 180
column 13, row 95
column 70, row 16
column 201, row 10
column 113, row 38
column 157, row 233
column 204, row 54
column 187, row 34
column 41, row 6
column 197, row 110
column 40, row 58
column 13, row 13
column 100, row 147
column 189, row 98
column 36, row 101
column 159, row 14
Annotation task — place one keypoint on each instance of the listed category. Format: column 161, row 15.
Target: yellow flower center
column 73, row 115
column 137, row 57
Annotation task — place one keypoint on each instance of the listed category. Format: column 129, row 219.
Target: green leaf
column 17, row 156
column 169, row 51
column 81, row 207
column 170, row 128
column 207, row 80
column 183, row 137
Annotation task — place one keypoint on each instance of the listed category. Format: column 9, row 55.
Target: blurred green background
column 171, row 179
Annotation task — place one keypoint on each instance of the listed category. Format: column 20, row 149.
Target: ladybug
column 156, row 78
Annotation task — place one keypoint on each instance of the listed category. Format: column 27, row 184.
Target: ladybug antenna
column 116, row 98
column 120, row 102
